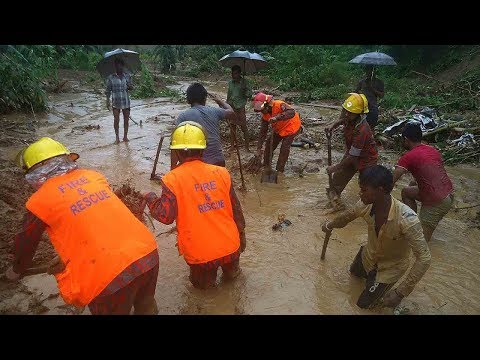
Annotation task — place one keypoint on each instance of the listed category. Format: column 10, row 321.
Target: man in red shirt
column 432, row 186
column 361, row 151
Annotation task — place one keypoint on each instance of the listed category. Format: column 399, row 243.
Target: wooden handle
column 152, row 175
column 325, row 243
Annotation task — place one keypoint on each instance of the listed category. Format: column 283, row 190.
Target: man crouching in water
column 202, row 200
column 393, row 229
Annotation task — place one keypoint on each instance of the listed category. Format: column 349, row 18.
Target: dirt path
column 282, row 272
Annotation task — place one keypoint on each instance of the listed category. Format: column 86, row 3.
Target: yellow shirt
column 389, row 252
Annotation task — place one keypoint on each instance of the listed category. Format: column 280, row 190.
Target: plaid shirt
column 26, row 243
column 360, row 142
column 118, row 88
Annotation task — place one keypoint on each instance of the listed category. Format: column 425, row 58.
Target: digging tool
column 332, row 193
column 325, row 243
column 134, row 121
column 238, row 154
column 268, row 174
column 152, row 175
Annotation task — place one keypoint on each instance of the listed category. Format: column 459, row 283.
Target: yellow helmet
column 356, row 103
column 41, row 150
column 188, row 135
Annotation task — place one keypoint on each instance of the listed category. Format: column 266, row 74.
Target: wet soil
column 281, row 269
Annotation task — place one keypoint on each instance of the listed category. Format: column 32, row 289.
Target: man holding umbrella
column 239, row 92
column 118, row 84
column 372, row 88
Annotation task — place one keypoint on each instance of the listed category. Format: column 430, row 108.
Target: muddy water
column 281, row 271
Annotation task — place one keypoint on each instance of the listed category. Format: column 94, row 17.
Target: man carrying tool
column 393, row 229
column 109, row 258
column 239, row 92
column 202, row 200
column 209, row 117
column 118, row 85
column 285, row 123
column 372, row 88
column 361, row 151
column 432, row 186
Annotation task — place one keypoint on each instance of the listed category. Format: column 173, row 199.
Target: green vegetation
column 314, row 71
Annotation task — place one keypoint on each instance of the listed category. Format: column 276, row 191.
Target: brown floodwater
column 281, row 270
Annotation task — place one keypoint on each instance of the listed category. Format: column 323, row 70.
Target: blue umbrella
column 373, row 58
column 249, row 62
column 131, row 59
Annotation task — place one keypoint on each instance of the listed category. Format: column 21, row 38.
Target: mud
column 281, row 270
column 132, row 199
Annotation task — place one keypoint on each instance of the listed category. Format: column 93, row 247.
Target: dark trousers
column 373, row 291
column 284, row 150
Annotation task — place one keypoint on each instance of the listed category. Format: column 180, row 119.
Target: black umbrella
column 131, row 59
column 249, row 62
column 373, row 58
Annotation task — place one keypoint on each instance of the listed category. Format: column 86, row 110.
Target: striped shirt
column 117, row 87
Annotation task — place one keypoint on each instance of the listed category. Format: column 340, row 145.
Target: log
column 335, row 107
column 443, row 128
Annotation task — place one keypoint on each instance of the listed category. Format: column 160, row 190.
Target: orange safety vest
column 286, row 127
column 93, row 232
column 206, row 228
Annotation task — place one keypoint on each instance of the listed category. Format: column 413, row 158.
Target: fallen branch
column 466, row 207
column 335, row 107
column 443, row 128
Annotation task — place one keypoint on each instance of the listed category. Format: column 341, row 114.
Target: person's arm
column 26, row 243
column 262, row 136
column 340, row 121
column 229, row 93
column 287, row 113
column 129, row 82
column 348, row 160
column 416, row 240
column 346, row 217
column 108, row 92
column 238, row 217
column 248, row 90
column 163, row 209
column 398, row 173
column 229, row 113
column 402, row 167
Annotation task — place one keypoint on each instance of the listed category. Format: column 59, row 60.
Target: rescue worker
column 393, row 230
column 361, row 150
column 108, row 259
column 285, row 123
column 201, row 199
column 432, row 186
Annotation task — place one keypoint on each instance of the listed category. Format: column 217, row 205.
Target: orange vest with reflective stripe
column 286, row 127
column 206, row 228
column 93, row 232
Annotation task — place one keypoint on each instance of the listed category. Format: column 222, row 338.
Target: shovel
column 325, row 243
column 268, row 174
column 153, row 176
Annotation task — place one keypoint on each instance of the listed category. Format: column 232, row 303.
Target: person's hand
column 243, row 242
column 56, row 266
column 12, row 275
column 272, row 119
column 215, row 98
column 326, row 228
column 330, row 169
column 392, row 299
column 328, row 131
